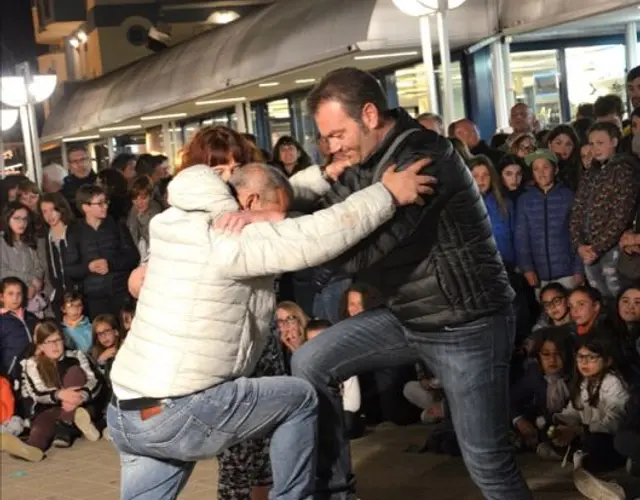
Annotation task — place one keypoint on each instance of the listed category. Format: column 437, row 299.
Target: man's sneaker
column 64, row 435
column 16, row 448
column 546, row 452
column 83, row 422
column 633, row 468
column 595, row 489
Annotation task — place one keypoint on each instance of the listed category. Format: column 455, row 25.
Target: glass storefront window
column 412, row 89
column 593, row 72
column 536, row 80
column 305, row 129
column 189, row 130
column 279, row 119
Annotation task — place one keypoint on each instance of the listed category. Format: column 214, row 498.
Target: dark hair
column 121, row 161
column 599, row 343
column 251, row 138
column 72, row 296
column 563, row 340
column 304, row 160
column 29, row 236
column 86, row 193
column 318, row 324
column 610, row 104
column 96, row 347
column 213, row 145
column 496, row 181
column 60, row 205
column 352, row 88
column 633, row 74
column 162, row 187
column 635, row 113
column 28, row 186
column 143, row 165
column 13, row 281
column 113, row 182
column 554, row 286
column 591, row 292
column 510, row 159
column 581, row 128
column 586, row 110
column 141, row 185
column 612, row 130
column 75, row 149
column 371, row 298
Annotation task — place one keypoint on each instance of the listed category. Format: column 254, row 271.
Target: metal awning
column 286, row 35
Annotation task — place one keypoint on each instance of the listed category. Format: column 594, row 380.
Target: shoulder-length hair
column 296, row 311
column 60, row 205
column 214, row 145
column 496, row 182
column 29, row 236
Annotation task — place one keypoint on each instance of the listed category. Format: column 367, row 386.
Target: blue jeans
column 326, row 303
column 157, row 455
column 472, row 362
column 603, row 274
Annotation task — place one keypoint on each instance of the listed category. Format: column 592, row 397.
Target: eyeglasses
column 53, row 341
column 101, row 203
column 554, row 302
column 102, row 333
column 587, row 358
column 289, row 320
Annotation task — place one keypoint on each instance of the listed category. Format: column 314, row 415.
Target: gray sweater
column 20, row 261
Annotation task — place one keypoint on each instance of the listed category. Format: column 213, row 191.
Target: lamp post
column 24, row 91
column 423, row 9
column 8, row 118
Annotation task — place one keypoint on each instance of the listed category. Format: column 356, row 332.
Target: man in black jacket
column 449, row 298
column 80, row 174
column 100, row 254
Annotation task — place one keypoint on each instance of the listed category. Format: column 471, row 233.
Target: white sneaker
column 83, row 422
column 596, row 489
column 546, row 452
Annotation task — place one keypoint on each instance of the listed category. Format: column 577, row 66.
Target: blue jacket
column 503, row 228
column 543, row 241
column 15, row 339
column 79, row 337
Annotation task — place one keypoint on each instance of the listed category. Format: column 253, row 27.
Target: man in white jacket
column 202, row 318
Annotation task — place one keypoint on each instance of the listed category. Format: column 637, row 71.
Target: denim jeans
column 472, row 363
column 603, row 274
column 326, row 303
column 157, row 455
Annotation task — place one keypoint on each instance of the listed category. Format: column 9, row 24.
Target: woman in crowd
column 511, row 169
column 289, row 156
column 563, row 142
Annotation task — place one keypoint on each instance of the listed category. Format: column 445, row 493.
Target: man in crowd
column 448, row 293
column 633, row 87
column 467, row 131
column 80, row 174
column 202, row 318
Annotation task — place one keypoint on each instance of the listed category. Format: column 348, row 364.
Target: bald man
column 467, row 132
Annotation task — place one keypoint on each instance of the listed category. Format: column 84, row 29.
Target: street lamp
column 24, row 91
column 8, row 118
column 423, row 9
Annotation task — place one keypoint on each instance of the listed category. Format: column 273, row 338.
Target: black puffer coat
column 437, row 264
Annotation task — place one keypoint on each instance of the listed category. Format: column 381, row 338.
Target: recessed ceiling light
column 220, row 101
column 163, row 117
column 122, row 127
column 306, row 80
column 81, row 138
column 269, row 84
column 386, row 55
column 223, row 17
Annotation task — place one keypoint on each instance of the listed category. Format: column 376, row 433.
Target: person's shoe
column 429, row 419
column 596, row 489
column 17, row 448
column 578, row 459
column 633, row 468
column 83, row 422
column 546, row 452
column 63, row 437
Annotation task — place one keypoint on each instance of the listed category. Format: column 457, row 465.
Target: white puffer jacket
column 204, row 309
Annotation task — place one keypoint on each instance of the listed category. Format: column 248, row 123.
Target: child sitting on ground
column 75, row 325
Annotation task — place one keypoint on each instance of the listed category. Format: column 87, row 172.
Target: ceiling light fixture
column 220, row 101
column 386, row 55
column 74, row 42
column 305, row 80
column 223, row 17
column 122, row 127
column 81, row 138
column 82, row 36
column 163, row 117
column 269, row 84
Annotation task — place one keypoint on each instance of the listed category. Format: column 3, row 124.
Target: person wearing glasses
column 100, row 254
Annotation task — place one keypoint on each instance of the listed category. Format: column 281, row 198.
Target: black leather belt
column 136, row 404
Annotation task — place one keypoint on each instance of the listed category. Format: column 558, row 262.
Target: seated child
column 596, row 409
column 16, row 328
column 543, row 390
column 63, row 387
column 75, row 325
column 350, row 388
column 11, row 426
column 106, row 341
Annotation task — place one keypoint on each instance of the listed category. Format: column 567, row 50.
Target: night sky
column 16, row 33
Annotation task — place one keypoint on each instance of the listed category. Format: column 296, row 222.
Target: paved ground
column 386, row 471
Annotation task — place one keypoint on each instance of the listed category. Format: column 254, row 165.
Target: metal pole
column 63, row 152
column 427, row 58
column 23, row 70
column 445, row 63
column 241, row 118
column 27, row 141
column 508, row 76
column 631, row 44
column 499, row 90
